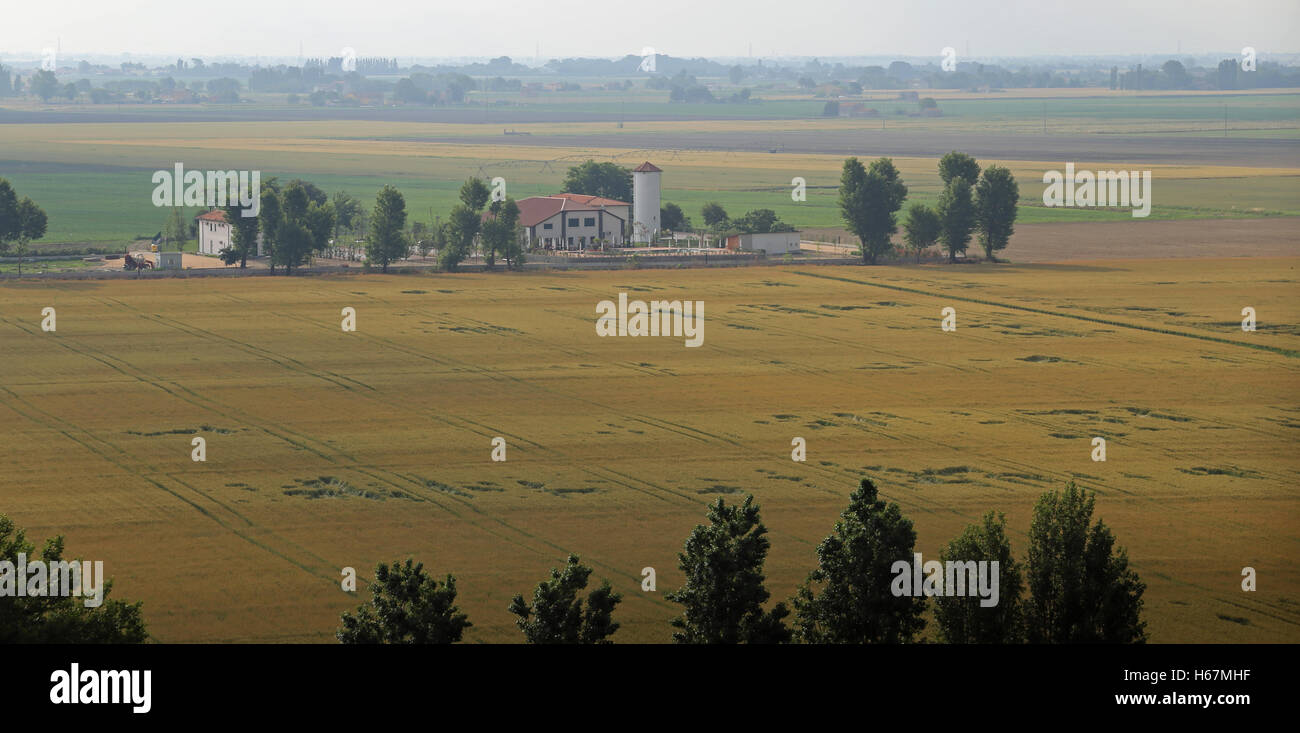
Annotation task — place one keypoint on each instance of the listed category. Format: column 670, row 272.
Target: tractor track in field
column 111, row 453
column 384, row 475
column 239, row 416
column 1289, row 353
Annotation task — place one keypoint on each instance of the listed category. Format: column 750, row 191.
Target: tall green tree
column 1081, row 586
column 958, row 165
column 609, row 180
column 849, row 599
column 269, row 218
column 59, row 619
column 406, row 606
column 474, row 193
column 347, row 214
column 724, row 593
column 387, row 239
column 176, row 230
column 31, row 225
column 500, row 231
column 672, row 218
column 921, row 228
column 957, row 215
column 557, row 615
column 21, row 220
column 243, row 236
column 463, row 224
column 870, row 198
column 715, row 216
column 961, row 619
column 996, row 197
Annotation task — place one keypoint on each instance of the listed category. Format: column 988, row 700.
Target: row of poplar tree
column 1073, row 586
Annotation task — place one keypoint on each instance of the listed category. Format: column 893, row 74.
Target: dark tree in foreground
column 407, row 606
column 1082, row 588
column 724, row 595
column 557, row 615
column 849, row 598
column 996, row 197
column 961, row 618
column 59, row 619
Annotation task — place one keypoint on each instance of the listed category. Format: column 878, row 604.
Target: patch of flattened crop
column 186, row 431
column 1146, row 412
column 1233, row 471
column 1042, row 359
column 720, row 489
column 489, row 329
column 323, row 487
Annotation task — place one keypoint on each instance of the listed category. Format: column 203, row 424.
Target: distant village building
column 572, row 221
column 214, row 233
column 770, row 242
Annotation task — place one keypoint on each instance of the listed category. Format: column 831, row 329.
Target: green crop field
column 329, row 449
column 95, row 180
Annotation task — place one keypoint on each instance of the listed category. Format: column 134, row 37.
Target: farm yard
column 328, row 449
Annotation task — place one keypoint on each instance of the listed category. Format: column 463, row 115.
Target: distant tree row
column 970, row 203
column 1074, row 585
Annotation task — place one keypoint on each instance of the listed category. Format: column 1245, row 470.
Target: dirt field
column 1083, row 241
column 328, row 449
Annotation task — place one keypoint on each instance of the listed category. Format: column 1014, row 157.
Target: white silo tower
column 645, row 202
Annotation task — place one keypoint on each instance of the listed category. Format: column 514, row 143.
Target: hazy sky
column 434, row 28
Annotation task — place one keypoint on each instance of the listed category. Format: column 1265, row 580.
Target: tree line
column 971, row 203
column 1072, row 586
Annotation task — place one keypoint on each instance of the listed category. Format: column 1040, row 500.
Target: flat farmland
column 328, row 449
column 95, row 181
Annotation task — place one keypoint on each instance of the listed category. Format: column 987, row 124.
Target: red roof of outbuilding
column 647, row 167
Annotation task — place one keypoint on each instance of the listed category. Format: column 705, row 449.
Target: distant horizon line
column 535, row 62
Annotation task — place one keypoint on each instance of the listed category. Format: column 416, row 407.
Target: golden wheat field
column 328, row 449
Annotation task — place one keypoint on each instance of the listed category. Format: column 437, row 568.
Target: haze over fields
column 795, row 152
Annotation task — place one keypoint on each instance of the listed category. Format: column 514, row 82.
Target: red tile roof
column 537, row 209
column 214, row 215
column 647, row 167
